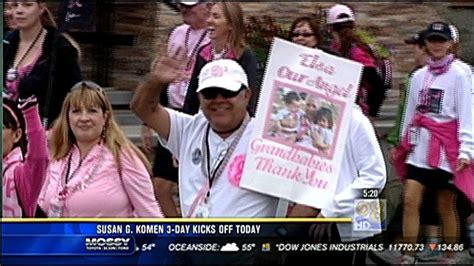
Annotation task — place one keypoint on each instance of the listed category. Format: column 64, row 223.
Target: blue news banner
column 134, row 241
column 174, row 241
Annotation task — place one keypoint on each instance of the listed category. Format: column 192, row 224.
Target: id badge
column 56, row 208
column 413, row 136
column 203, row 210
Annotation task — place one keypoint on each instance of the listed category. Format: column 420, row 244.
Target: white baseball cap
column 188, row 3
column 224, row 73
column 340, row 13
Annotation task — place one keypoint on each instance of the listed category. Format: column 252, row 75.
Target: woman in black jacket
column 37, row 57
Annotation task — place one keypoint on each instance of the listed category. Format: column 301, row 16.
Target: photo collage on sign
column 303, row 119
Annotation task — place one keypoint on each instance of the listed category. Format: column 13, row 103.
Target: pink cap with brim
column 224, row 73
column 340, row 13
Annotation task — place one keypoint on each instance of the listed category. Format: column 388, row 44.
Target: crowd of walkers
column 64, row 155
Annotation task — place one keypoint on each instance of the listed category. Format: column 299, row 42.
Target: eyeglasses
column 304, row 34
column 211, row 93
column 87, row 84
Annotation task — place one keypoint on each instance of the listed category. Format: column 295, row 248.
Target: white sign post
column 301, row 124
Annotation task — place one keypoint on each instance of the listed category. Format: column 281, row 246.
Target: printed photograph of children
column 304, row 119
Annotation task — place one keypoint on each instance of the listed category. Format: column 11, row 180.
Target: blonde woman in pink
column 95, row 170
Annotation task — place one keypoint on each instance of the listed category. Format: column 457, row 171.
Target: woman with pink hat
column 341, row 24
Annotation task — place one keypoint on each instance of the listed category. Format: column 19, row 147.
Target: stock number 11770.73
column 406, row 247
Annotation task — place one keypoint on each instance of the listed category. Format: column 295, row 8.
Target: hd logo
column 109, row 244
column 369, row 215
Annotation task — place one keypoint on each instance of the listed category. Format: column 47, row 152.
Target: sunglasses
column 304, row 34
column 211, row 93
column 87, row 84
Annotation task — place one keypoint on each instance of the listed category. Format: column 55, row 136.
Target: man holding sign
column 212, row 145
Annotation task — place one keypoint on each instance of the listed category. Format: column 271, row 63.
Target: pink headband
column 10, row 110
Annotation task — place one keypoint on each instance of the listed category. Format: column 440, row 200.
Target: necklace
column 190, row 63
column 57, row 203
column 215, row 55
column 12, row 73
column 223, row 157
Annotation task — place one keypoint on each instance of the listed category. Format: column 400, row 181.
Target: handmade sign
column 301, row 124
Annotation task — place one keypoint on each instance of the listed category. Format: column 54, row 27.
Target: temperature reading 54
column 248, row 246
column 148, row 247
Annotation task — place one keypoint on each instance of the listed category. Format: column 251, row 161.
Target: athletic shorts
column 431, row 178
column 163, row 165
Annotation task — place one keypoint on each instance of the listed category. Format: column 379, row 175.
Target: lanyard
column 427, row 82
column 64, row 191
column 58, row 203
column 222, row 162
column 211, row 175
column 68, row 177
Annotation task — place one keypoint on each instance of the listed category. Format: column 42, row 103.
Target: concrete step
column 383, row 127
column 118, row 97
column 133, row 132
column 126, row 117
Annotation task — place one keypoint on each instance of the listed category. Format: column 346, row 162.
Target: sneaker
column 385, row 257
column 408, row 260
column 448, row 261
column 428, row 255
column 463, row 257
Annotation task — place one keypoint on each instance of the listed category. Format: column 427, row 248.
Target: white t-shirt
column 226, row 198
column 450, row 95
column 362, row 167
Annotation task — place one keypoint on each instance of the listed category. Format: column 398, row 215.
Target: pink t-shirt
column 107, row 194
column 197, row 38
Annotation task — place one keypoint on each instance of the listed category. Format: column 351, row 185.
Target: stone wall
column 127, row 63
column 389, row 22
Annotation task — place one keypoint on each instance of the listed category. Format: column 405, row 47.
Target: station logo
column 369, row 215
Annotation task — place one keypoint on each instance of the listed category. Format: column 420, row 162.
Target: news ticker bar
column 131, row 236
column 61, row 245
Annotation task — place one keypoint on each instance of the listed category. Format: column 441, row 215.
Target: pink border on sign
column 337, row 123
